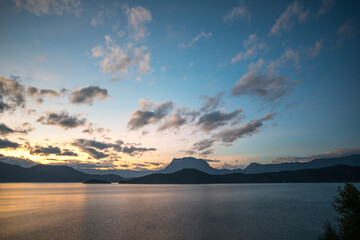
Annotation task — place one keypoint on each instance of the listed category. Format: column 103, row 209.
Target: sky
column 132, row 85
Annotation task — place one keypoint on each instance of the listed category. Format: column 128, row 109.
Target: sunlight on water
column 234, row 211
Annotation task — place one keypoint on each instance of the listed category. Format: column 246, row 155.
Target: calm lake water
column 219, row 211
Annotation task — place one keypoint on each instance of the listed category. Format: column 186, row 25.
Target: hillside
column 48, row 173
column 339, row 173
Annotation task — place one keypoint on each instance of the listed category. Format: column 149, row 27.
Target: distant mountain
column 125, row 173
column 178, row 164
column 352, row 160
column 339, row 173
column 17, row 161
column 48, row 173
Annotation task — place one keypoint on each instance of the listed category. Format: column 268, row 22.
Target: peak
column 189, row 159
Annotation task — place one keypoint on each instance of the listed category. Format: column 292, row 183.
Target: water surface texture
column 232, row 211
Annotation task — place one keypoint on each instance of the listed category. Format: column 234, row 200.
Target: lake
column 218, row 211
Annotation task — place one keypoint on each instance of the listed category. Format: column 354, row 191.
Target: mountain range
column 338, row 173
column 49, row 173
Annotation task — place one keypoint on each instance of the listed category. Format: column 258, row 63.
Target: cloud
column 119, row 60
column 286, row 20
column 348, row 31
column 248, row 129
column 149, row 113
column 87, row 95
column 98, row 145
column 109, row 11
column 269, row 86
column 12, row 94
column 50, row 150
column 174, row 121
column 215, row 119
column 206, row 153
column 24, row 129
column 41, row 58
column 252, row 46
column 96, row 148
column 289, row 55
column 134, row 151
column 326, row 5
column 229, row 135
column 203, row 35
column 4, row 143
column 137, row 18
column 339, row 152
column 203, row 144
column 49, row 7
column 5, row 130
column 212, row 103
column 37, row 94
column 62, row 119
column 165, row 68
column 240, row 12
column 315, row 50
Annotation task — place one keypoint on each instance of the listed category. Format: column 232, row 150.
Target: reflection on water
column 233, row 211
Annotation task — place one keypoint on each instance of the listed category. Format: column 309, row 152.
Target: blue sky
column 120, row 84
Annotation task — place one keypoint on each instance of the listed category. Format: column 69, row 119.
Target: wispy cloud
column 87, row 95
column 62, row 119
column 241, row 12
column 252, row 46
column 287, row 19
column 48, row 7
column 202, row 35
column 348, row 31
column 119, row 60
column 326, row 5
column 269, row 86
column 137, row 18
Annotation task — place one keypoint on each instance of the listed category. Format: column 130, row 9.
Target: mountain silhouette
column 48, row 173
column 338, row 173
column 352, row 160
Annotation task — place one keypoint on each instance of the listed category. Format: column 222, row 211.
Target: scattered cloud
column 119, row 60
column 229, row 135
column 289, row 55
column 41, row 58
column 241, row 12
column 137, row 18
column 252, row 46
column 213, row 120
column 25, row 128
column 248, row 129
column 165, row 68
column 49, row 7
column 12, row 94
column 348, row 31
column 62, row 119
column 202, row 35
column 174, row 121
column 87, row 95
column 286, row 20
column 315, row 50
column 38, row 95
column 326, row 5
column 4, row 143
column 50, row 150
column 149, row 113
column 267, row 86
column 5, row 130
column 212, row 103
column 97, row 149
